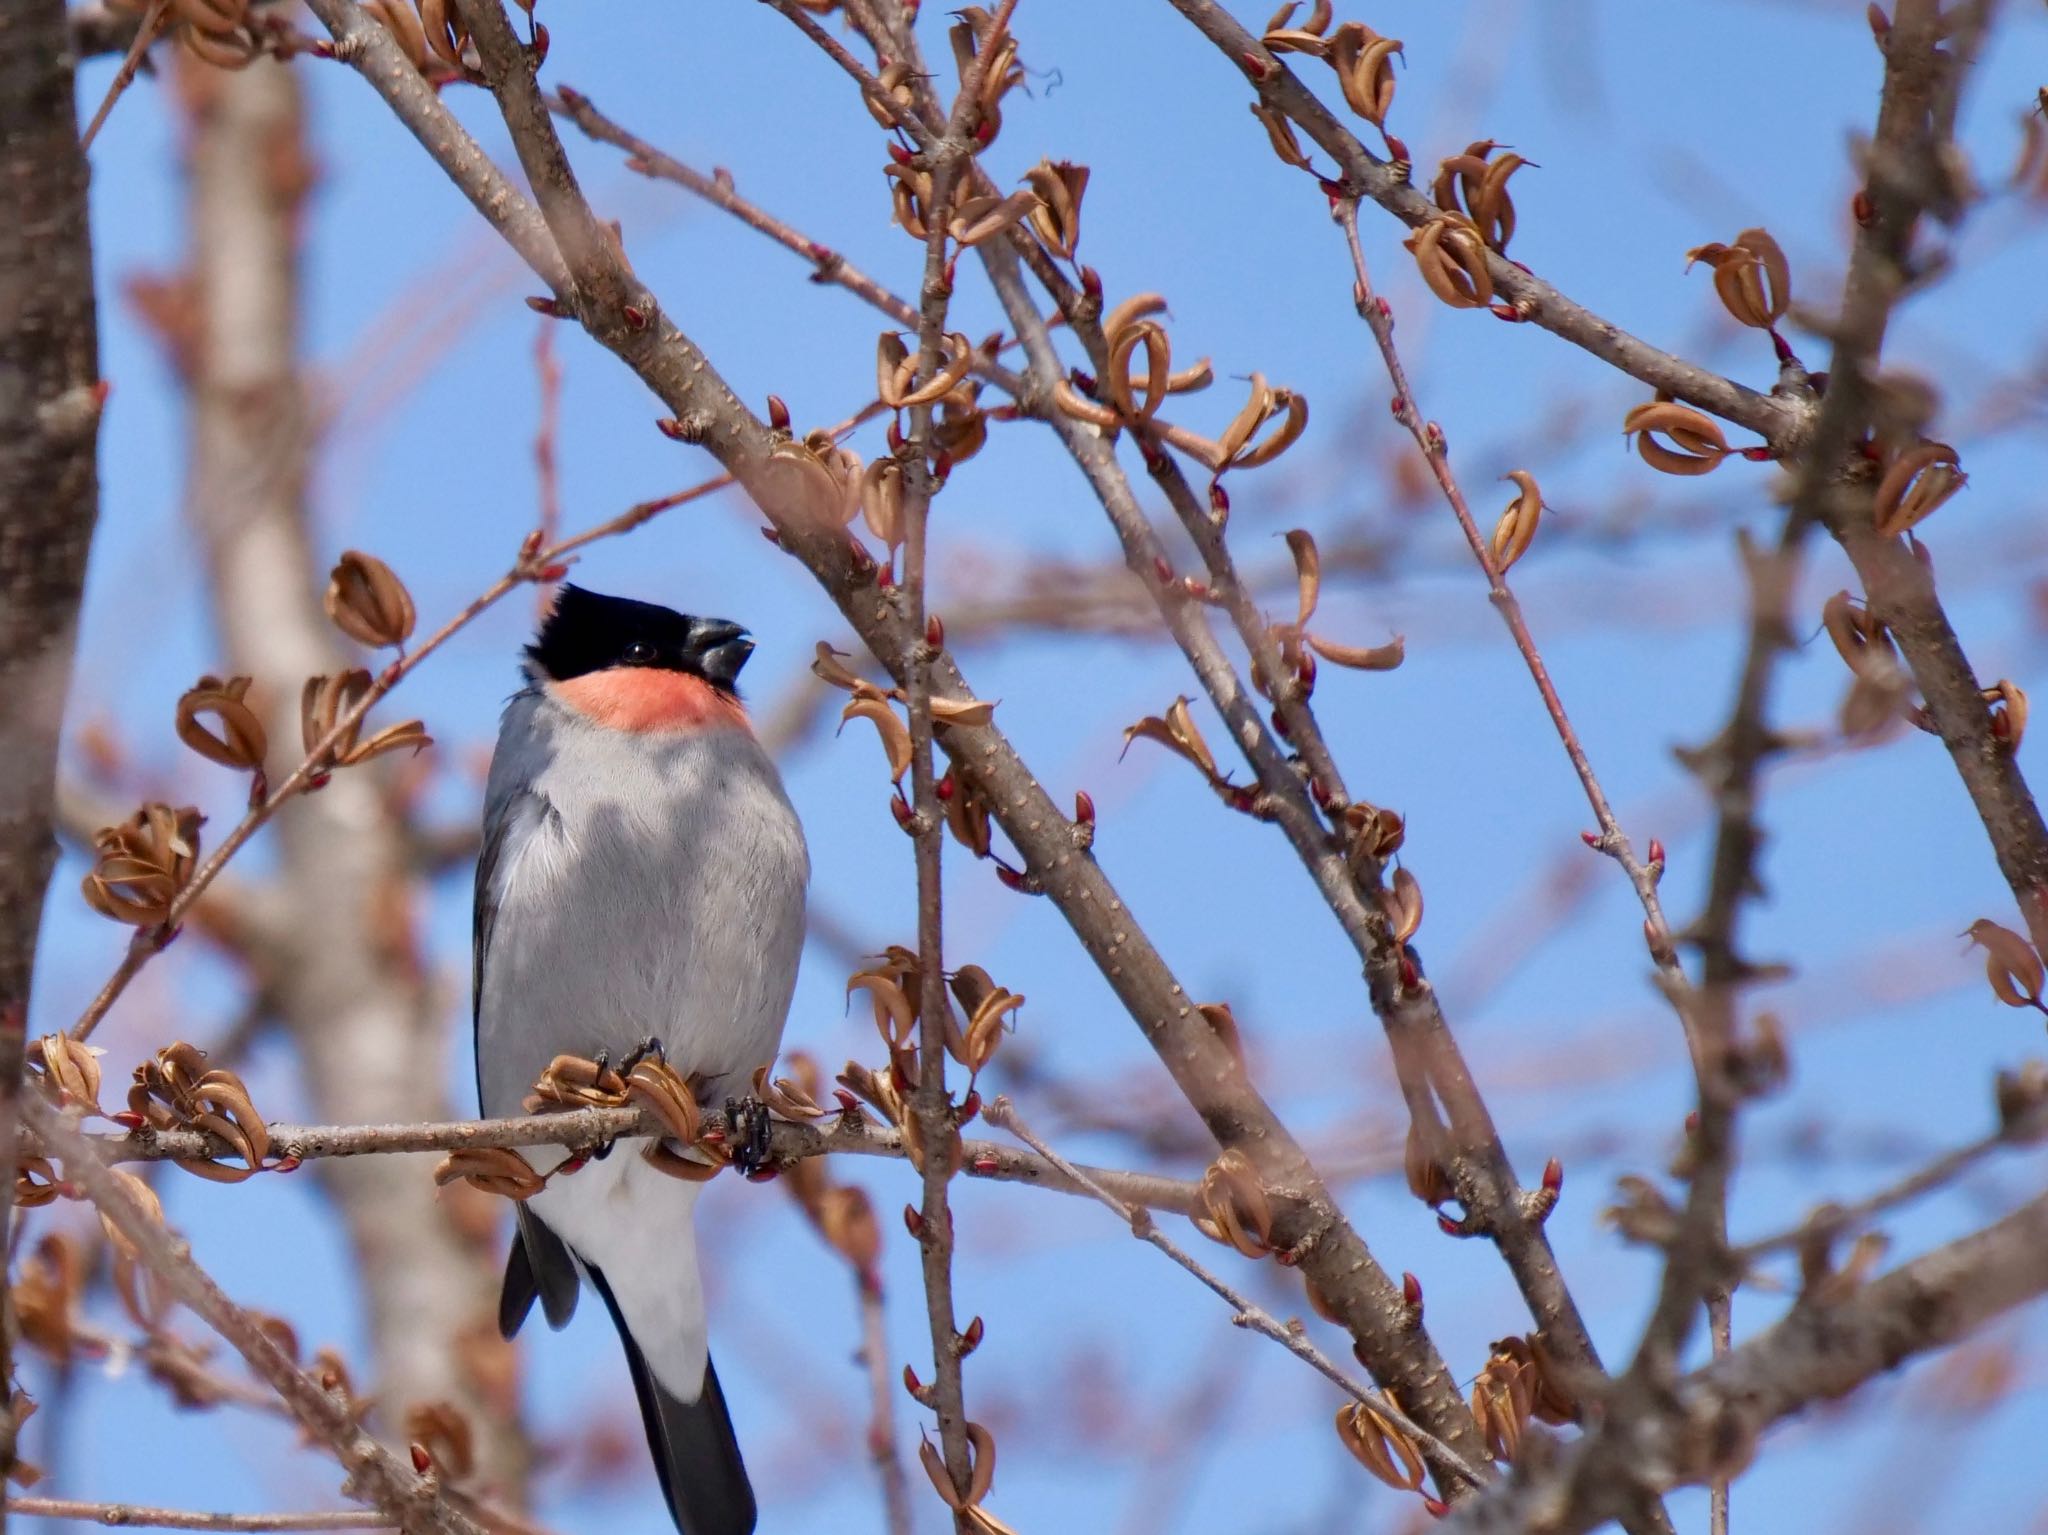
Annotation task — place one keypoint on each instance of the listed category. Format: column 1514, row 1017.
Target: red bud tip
column 1082, row 380
column 1591, row 839
column 1692, row 1123
column 1336, row 191
column 285, row 1165
column 824, row 255
column 911, row 1383
column 539, row 47
column 572, row 1166
column 1386, row 309
column 1320, row 793
column 900, row 810
column 1410, row 976
column 764, row 1175
column 1280, row 725
column 1011, row 878
column 635, row 317
column 886, row 576
column 1862, row 209
column 1758, row 455
column 847, row 1102
column 1242, row 800
column 772, row 536
column 944, row 787
column 970, row 1340
column 985, row 133
column 970, row 1108
column 914, row 1223
column 1399, row 406
column 1507, row 312
column 1656, row 850
column 986, row 1164
column 863, row 563
column 1255, row 66
column 713, row 1137
column 422, row 1462
column 1219, row 499
column 554, row 572
column 542, row 304
column 1880, row 24
column 1553, row 1175
column 898, row 153
column 1449, row 1227
column 1436, row 1508
column 934, row 630
column 1162, row 570
column 1084, row 807
column 1091, row 283
column 670, row 428
column 1411, row 1290
column 1286, row 1257
column 896, row 438
column 529, row 546
column 127, row 1120
column 778, row 413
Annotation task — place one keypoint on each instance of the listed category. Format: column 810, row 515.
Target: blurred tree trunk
column 49, row 496
column 353, row 988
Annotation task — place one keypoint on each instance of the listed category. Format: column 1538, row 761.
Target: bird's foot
column 649, row 1049
column 747, row 1133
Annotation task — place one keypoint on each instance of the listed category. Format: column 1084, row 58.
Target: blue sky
column 1655, row 128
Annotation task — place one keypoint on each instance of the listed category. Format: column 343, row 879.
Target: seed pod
column 1516, row 529
column 1239, row 1213
column 1056, row 219
column 240, row 741
column 1916, row 484
column 1364, row 62
column 1700, row 445
column 2010, row 964
column 1752, row 277
column 1376, row 1443
column 368, row 602
column 1451, row 255
column 142, row 864
column 894, row 733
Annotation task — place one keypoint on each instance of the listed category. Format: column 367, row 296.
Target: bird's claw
column 649, row 1049
column 747, row 1133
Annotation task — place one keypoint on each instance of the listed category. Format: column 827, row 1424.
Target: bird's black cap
column 589, row 631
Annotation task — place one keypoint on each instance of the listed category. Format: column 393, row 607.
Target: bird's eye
column 639, row 653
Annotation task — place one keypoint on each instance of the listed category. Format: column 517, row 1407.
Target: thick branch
column 49, row 497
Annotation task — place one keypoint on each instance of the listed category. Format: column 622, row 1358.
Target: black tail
column 695, row 1452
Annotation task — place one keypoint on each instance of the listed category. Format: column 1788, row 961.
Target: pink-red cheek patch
column 643, row 699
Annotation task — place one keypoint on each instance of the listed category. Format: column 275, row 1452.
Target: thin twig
column 1780, row 422
column 1248, row 1314
column 839, row 1134
column 145, row 34
column 1838, row 1220
column 374, row 1473
column 134, row 1515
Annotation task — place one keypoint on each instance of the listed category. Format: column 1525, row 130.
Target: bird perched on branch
column 641, row 890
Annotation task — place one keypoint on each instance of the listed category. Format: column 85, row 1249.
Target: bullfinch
column 641, row 887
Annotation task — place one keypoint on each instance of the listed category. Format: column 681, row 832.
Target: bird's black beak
column 720, row 649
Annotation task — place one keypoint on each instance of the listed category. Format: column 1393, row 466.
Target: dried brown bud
column 1751, row 276
column 1238, row 1212
column 2010, row 964
column 325, row 701
column 1056, row 219
column 1372, row 1437
column 69, row 1065
column 1364, row 62
column 176, row 1088
column 368, row 602
column 1483, row 183
column 1451, row 254
column 1700, row 447
column 1915, row 485
column 240, row 741
column 1516, row 529
column 142, row 864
